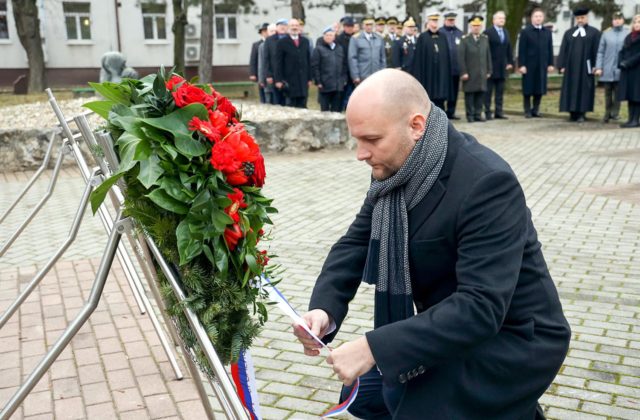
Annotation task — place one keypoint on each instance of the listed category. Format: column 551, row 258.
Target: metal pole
column 75, row 226
column 123, row 257
column 76, row 324
column 64, row 149
column 234, row 408
column 45, row 163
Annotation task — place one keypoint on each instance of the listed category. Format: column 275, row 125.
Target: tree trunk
column 297, row 9
column 206, row 42
column 25, row 13
column 413, row 8
column 178, row 29
column 515, row 11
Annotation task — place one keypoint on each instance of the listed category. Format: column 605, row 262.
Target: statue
column 114, row 68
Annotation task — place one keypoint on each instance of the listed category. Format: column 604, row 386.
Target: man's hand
column 356, row 81
column 509, row 67
column 522, row 70
column 279, row 85
column 253, row 78
column 464, row 76
column 488, row 75
column 550, row 69
column 319, row 85
column 318, row 322
column 351, row 360
column 270, row 80
column 597, row 72
column 562, row 71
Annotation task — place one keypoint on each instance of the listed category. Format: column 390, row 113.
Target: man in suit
column 270, row 46
column 366, row 52
column 535, row 60
column 293, row 67
column 253, row 59
column 444, row 227
column 501, row 64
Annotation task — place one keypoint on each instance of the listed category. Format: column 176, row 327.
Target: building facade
column 76, row 33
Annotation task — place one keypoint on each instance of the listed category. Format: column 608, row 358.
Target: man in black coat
column 432, row 64
column 293, row 67
column 535, row 60
column 348, row 28
column 629, row 64
column 270, row 47
column 501, row 63
column 253, row 59
column 403, row 50
column 577, row 61
column 453, row 36
column 445, row 226
column 328, row 71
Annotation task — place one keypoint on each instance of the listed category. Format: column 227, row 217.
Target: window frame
column 77, row 18
column 154, row 22
column 5, row 13
column 225, row 17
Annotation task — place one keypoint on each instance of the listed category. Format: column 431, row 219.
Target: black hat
column 347, row 21
column 618, row 15
column 450, row 15
column 263, row 27
column 580, row 11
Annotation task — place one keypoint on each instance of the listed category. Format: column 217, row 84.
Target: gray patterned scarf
column 387, row 264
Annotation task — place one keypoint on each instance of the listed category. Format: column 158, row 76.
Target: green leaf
column 188, row 249
column 101, row 108
column 177, row 124
column 253, row 264
column 207, row 252
column 150, row 171
column 132, row 149
column 175, row 189
column 159, row 88
column 162, row 199
column 170, row 149
column 119, row 93
column 188, row 146
column 220, row 220
column 98, row 195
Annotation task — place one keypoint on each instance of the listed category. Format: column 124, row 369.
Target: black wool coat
column 253, row 58
column 629, row 64
column 432, row 65
column 501, row 53
column 490, row 334
column 535, row 52
column 328, row 68
column 293, row 66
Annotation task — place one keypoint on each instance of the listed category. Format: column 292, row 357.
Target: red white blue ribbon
column 243, row 374
column 276, row 296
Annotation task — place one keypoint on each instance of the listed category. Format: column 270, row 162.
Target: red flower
column 224, row 157
column 237, row 203
column 223, row 104
column 188, row 94
column 220, row 121
column 259, row 172
column 173, row 81
column 205, row 127
column 232, row 235
column 262, row 258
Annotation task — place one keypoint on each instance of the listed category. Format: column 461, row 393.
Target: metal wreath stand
column 146, row 253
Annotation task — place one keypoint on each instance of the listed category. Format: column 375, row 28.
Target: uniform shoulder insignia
column 356, row 35
column 464, row 36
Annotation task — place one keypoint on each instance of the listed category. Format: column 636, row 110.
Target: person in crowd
column 488, row 334
column 535, row 60
column 253, row 60
column 577, row 61
column 366, row 52
column 404, row 49
column 453, row 36
column 270, row 59
column 381, row 23
column 293, row 67
column 607, row 69
column 629, row 64
column 501, row 64
column 348, row 29
column 305, row 35
column 267, row 88
column 329, row 71
column 431, row 64
column 474, row 57
column 389, row 38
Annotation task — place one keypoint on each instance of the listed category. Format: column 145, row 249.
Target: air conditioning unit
column 192, row 31
column 192, row 52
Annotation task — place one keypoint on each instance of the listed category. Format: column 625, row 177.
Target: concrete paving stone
column 127, row 399
column 65, row 388
column 69, row 408
column 90, row 374
column 160, row 406
column 104, row 411
column 134, row 415
column 611, row 411
column 286, row 389
column 37, row 403
column 191, row 409
column 151, row 385
column 563, row 414
column 297, row 404
column 96, row 393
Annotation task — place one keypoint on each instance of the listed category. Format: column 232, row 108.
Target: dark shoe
column 536, row 114
column 615, row 117
column 528, row 115
column 630, row 124
column 479, row 119
column 501, row 117
column 580, row 119
column 453, row 117
column 605, row 120
column 488, row 116
column 470, row 119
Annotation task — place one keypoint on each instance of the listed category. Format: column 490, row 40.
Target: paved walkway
column 582, row 184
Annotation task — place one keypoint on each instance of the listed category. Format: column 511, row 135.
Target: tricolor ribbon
column 244, row 377
column 285, row 306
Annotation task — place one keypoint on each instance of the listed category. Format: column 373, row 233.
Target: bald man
column 444, row 228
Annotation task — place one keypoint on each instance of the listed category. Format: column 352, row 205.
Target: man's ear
column 418, row 125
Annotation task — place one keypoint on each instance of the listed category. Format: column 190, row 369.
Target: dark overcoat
column 474, row 59
column 293, row 66
column 432, row 65
column 501, row 53
column 328, row 68
column 490, row 334
column 535, row 52
column 629, row 63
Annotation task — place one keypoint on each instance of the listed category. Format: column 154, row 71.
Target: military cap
column 381, row 20
column 329, row 28
column 282, row 21
column 368, row 20
column 618, row 15
column 263, row 27
column 450, row 15
column 409, row 23
column 392, row 20
column 434, row 15
column 476, row 20
column 580, row 11
column 347, row 21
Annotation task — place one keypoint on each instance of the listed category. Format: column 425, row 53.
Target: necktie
column 296, row 42
column 501, row 34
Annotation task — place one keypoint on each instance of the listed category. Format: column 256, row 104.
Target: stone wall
column 25, row 129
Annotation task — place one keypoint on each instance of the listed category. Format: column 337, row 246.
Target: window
column 226, row 27
column 77, row 19
column 4, row 24
column 154, row 20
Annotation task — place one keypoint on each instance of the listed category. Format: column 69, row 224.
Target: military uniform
column 404, row 49
column 366, row 54
column 474, row 58
column 389, row 40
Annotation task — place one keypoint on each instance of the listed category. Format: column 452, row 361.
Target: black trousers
column 451, row 105
column 496, row 85
column 473, row 104
column 611, row 105
column 536, row 104
column 297, row 101
column 330, row 101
